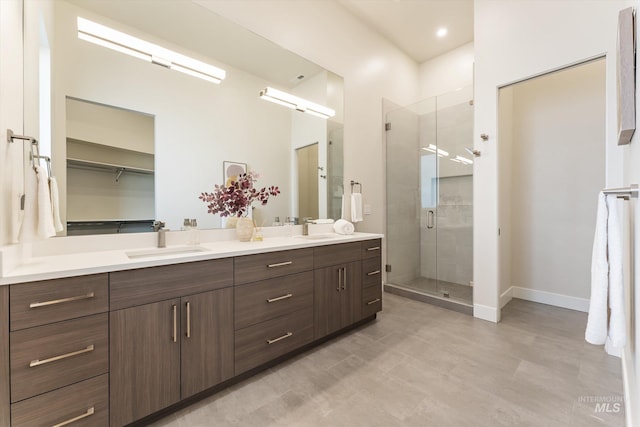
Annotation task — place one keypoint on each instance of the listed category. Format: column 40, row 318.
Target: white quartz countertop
column 90, row 262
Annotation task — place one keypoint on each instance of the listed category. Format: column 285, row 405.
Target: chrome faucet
column 159, row 227
column 305, row 226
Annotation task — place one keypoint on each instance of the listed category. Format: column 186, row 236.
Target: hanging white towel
column 343, row 208
column 55, row 203
column 617, row 335
column 356, row 207
column 45, row 214
column 606, row 280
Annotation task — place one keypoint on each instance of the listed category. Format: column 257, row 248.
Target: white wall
column 372, row 67
column 447, row 72
column 11, row 105
column 541, row 37
column 557, row 161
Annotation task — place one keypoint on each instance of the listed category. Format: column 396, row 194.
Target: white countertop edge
column 79, row 264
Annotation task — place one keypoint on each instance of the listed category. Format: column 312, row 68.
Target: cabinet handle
column 430, row 215
column 280, row 264
column 37, row 362
column 339, row 279
column 89, row 412
column 373, row 248
column 374, row 301
column 279, row 298
column 188, row 320
column 287, row 335
column 373, row 273
column 60, row 301
column 344, row 281
column 175, row 323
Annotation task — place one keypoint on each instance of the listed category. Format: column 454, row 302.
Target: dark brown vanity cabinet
column 337, row 287
column 165, row 351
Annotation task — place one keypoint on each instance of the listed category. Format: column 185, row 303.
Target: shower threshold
column 430, row 298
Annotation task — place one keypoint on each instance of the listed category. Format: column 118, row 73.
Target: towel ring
column 355, row 183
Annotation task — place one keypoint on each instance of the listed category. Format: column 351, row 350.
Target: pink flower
column 236, row 198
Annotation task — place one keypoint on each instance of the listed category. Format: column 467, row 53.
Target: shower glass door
column 429, row 196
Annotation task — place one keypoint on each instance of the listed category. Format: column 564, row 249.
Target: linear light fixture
column 296, row 103
column 124, row 43
column 462, row 160
column 433, row 149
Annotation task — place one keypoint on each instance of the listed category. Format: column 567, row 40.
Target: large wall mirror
column 157, row 138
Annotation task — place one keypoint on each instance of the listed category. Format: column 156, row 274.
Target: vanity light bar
column 124, row 43
column 293, row 102
column 433, row 149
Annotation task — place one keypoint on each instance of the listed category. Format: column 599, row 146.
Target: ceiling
column 412, row 24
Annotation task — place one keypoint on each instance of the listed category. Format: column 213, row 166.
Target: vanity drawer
column 371, row 300
column 251, row 268
column 272, row 298
column 153, row 284
column 52, row 356
column 265, row 341
column 86, row 403
column 48, row 301
column 326, row 256
column 371, row 248
column 372, row 271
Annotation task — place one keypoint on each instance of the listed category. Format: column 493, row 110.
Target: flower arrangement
column 236, row 197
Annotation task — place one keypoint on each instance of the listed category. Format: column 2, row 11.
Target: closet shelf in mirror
column 109, row 167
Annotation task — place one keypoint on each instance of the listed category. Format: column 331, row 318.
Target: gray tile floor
column 422, row 365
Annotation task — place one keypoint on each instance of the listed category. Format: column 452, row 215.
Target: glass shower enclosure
column 430, row 200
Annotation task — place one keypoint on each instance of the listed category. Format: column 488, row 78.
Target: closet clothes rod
column 630, row 191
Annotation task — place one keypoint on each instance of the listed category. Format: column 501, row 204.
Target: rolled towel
column 356, row 207
column 55, row 203
column 342, row 226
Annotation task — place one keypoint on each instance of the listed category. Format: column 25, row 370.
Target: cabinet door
column 327, row 300
column 337, row 297
column 207, row 340
column 144, row 360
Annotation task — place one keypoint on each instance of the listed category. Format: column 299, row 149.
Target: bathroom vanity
column 112, row 342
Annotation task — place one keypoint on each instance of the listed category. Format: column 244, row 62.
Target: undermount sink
column 316, row 236
column 148, row 253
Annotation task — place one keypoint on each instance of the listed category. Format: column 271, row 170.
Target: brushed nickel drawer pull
column 279, row 298
column 89, row 412
column 287, row 335
column 280, row 264
column 175, row 323
column 374, row 301
column 188, row 320
column 38, row 362
column 373, row 248
column 60, row 301
column 373, row 273
column 344, row 281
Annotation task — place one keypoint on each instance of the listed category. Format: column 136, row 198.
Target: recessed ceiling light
column 441, row 32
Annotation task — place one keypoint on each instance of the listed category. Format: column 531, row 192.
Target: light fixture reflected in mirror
column 433, row 149
column 300, row 104
column 124, row 43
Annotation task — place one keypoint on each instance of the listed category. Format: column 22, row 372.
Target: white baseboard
column 631, row 391
column 506, row 296
column 484, row 312
column 549, row 298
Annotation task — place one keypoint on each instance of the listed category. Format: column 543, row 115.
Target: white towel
column 29, row 225
column 45, row 214
column 55, row 203
column 606, row 280
column 356, row 207
column 617, row 335
column 343, row 208
column 342, row 226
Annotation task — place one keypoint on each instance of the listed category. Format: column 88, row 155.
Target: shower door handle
column 430, row 219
